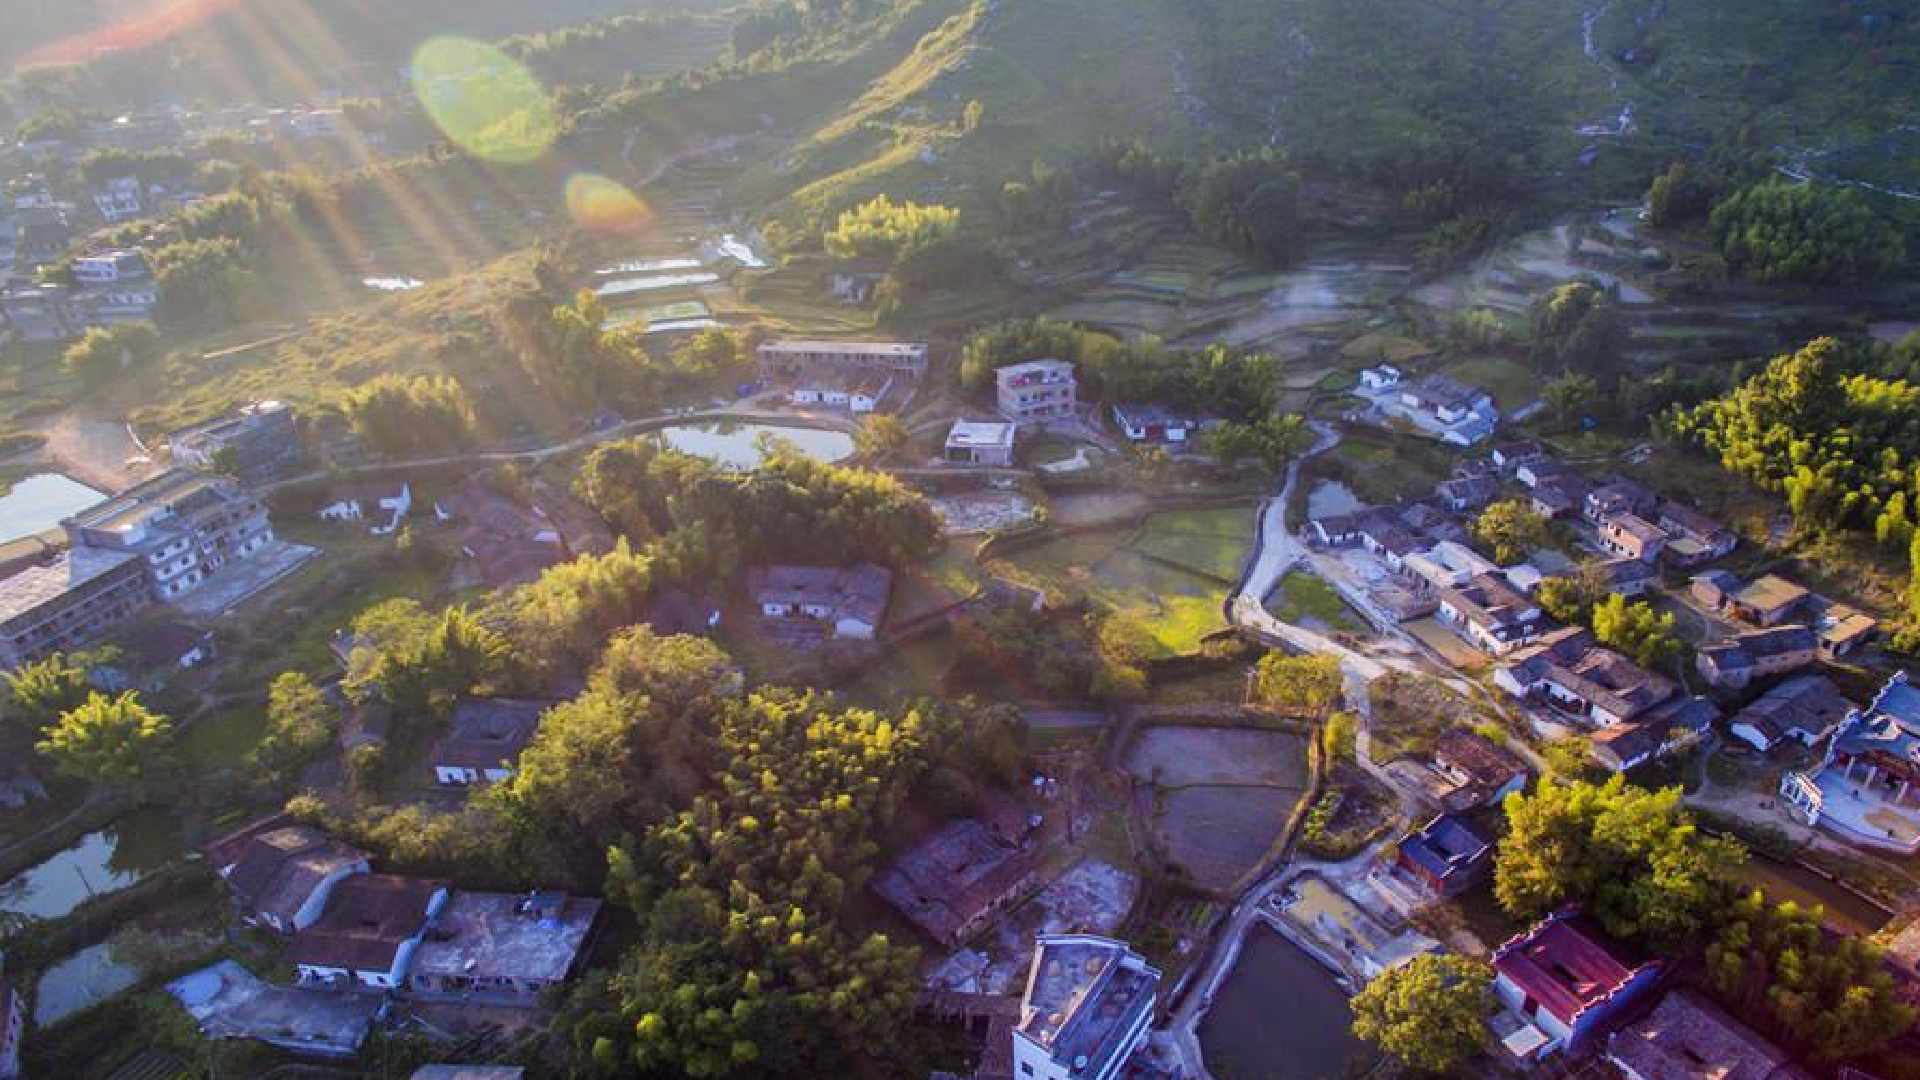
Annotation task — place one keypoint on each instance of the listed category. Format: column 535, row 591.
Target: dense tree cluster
column 746, row 965
column 1828, row 992
column 406, row 414
column 1247, row 201
column 1509, row 530
column 1578, row 327
column 1299, row 685
column 1636, row 629
column 883, row 229
column 1632, row 858
column 1430, row 1012
column 1217, row 381
column 116, row 741
column 1271, row 440
column 1782, row 233
column 416, row 660
column 106, row 351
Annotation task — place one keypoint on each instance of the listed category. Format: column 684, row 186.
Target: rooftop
column 978, row 433
column 368, row 918
column 1563, row 964
column 171, row 489
column 1083, row 995
column 516, row 935
column 1809, row 703
column 1491, row 600
column 953, row 876
column 1445, row 846
column 1770, row 592
column 488, row 732
column 1685, row 1038
column 1635, row 526
column 1570, row 660
column 870, row 348
column 35, row 586
column 229, row 1002
column 1472, row 753
column 860, row 591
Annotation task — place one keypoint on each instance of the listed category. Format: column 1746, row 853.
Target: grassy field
column 1512, row 385
column 1178, row 602
column 1308, row 600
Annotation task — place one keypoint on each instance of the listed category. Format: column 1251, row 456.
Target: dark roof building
column 370, row 931
column 1686, row 1038
column 503, row 947
column 1483, row 771
column 485, row 740
column 1804, row 709
column 957, row 880
column 282, row 873
column 1446, row 855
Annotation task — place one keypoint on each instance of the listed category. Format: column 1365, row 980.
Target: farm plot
column 1220, row 796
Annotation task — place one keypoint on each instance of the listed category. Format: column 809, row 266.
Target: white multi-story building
column 1036, row 391
column 1085, row 1011
column 185, row 526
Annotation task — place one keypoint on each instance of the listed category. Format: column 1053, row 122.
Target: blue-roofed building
column 1446, row 855
column 1864, row 787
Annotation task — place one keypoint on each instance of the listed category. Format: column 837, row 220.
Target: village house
column 1036, row 391
column 1381, row 377
column 1768, row 600
column 1539, row 469
column 258, row 442
column 975, row 442
column 117, row 199
column 282, row 873
column 1840, row 630
column 1567, row 982
column 1153, row 424
column 1693, row 538
column 1489, row 612
column 958, row 880
column 484, row 741
column 1446, row 565
column 153, row 655
column 1506, row 458
column 502, row 948
column 1481, row 771
column 1862, row 788
column 1446, row 408
column 1803, row 709
column 1086, row 1007
column 1445, row 855
column 844, row 603
column 1628, row 577
column 1558, row 497
column 67, row 602
column 1639, row 714
column 784, row 359
column 1631, row 536
column 367, row 936
column 1616, row 497
column 182, row 526
column 1686, row 1038
column 1466, row 493
column 386, row 505
column 1734, row 663
column 858, row 394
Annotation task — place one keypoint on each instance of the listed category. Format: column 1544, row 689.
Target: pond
column 100, row 862
column 1279, row 1016
column 1330, row 497
column 737, row 446
column 39, row 502
column 81, row 981
column 647, row 266
column 1783, row 881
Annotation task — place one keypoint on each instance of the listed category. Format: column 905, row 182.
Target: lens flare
column 604, row 205
column 484, row 100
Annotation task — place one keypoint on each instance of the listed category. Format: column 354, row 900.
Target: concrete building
column 259, row 441
column 1153, row 424
column 502, row 948
column 846, row 603
column 1445, row 855
column 367, row 937
column 785, row 359
column 68, row 602
column 1492, row 614
column 183, row 526
column 1631, row 536
column 1443, row 407
column 975, row 442
column 1085, row 1010
column 1567, row 982
column 118, row 199
column 111, row 267
column 281, row 873
column 484, row 741
column 1036, row 391
column 1693, row 537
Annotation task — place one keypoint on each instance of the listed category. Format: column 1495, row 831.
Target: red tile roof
column 1563, row 966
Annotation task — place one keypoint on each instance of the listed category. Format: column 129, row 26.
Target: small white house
column 385, row 507
column 1383, row 377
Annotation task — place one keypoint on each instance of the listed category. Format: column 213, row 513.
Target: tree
column 106, row 351
column 38, row 693
column 1305, row 685
column 300, row 723
column 201, row 284
column 1633, row 858
column 1571, row 394
column 1787, row 233
column 882, row 228
column 1578, row 327
column 1636, row 629
column 1509, row 529
column 1271, row 440
column 399, row 414
column 1678, row 197
column 1430, row 1013
column 881, row 437
column 104, row 740
column 1570, row 598
column 1829, row 992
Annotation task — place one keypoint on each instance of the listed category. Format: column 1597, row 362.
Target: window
column 1026, row 1068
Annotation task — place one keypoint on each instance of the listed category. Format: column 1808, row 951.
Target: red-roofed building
column 1567, row 981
